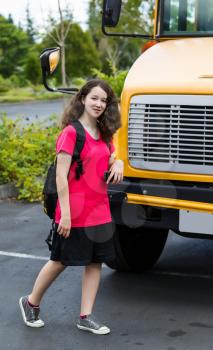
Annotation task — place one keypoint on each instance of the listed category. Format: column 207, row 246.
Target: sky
column 39, row 9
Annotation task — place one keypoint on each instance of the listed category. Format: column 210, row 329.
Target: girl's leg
column 46, row 276
column 90, row 284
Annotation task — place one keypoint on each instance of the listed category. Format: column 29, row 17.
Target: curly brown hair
column 109, row 121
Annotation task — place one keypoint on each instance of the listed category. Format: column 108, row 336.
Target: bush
column 19, row 80
column 25, row 154
column 33, row 69
column 78, row 82
column 14, row 81
column 115, row 80
column 5, row 84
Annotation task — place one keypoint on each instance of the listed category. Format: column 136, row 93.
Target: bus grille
column 175, row 137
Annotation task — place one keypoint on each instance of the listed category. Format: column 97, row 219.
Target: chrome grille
column 171, row 133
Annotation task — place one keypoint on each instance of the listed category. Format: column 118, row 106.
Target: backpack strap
column 80, row 140
column 109, row 146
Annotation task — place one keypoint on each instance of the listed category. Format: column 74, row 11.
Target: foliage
column 13, row 48
column 135, row 17
column 18, row 81
column 30, row 30
column 58, row 29
column 115, row 80
column 25, row 154
column 81, row 53
column 5, row 84
column 27, row 93
column 33, row 68
column 19, row 51
column 78, row 82
column 19, row 55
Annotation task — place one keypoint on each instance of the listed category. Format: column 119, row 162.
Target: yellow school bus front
column 167, row 120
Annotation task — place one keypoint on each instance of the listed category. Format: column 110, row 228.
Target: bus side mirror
column 50, row 58
column 110, row 18
column 111, row 12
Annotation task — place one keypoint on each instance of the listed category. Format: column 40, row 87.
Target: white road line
column 25, row 256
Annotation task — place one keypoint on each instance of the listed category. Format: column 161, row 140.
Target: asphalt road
column 30, row 111
column 168, row 308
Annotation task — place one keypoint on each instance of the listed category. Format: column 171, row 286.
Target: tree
column 81, row 53
column 120, row 51
column 31, row 32
column 13, row 47
column 58, row 29
column 10, row 18
column 32, row 68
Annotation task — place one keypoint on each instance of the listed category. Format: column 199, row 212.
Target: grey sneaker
column 91, row 324
column 30, row 314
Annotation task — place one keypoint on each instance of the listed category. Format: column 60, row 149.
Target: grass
column 25, row 94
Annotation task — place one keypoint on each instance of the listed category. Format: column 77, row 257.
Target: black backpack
column 49, row 192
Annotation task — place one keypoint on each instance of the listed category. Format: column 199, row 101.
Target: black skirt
column 85, row 245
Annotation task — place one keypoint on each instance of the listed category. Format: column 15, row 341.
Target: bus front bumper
column 161, row 204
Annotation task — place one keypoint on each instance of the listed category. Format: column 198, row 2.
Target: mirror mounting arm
column 62, row 90
column 71, row 91
column 45, row 81
column 110, row 18
column 150, row 37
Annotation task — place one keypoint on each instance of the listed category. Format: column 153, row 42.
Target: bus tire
column 137, row 250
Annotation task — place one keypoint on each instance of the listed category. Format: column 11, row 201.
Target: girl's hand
column 116, row 172
column 64, row 227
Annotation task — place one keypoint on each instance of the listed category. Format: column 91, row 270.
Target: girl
column 83, row 231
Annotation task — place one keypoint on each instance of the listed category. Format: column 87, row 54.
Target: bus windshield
column 186, row 17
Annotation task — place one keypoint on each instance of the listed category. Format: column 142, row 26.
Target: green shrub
column 33, row 69
column 25, row 154
column 115, row 80
column 18, row 80
column 5, row 84
column 78, row 82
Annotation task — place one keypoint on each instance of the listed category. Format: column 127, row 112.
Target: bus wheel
column 137, row 250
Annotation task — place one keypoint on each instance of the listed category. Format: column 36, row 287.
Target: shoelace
column 34, row 312
column 94, row 323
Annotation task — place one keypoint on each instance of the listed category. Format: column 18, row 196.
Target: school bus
column 166, row 138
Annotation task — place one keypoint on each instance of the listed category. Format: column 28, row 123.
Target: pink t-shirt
column 89, row 203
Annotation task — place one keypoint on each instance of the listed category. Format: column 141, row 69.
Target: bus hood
column 181, row 66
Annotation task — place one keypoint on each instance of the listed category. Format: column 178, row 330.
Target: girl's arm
column 112, row 159
column 62, row 169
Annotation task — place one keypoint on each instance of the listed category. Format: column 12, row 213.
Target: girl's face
column 95, row 102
